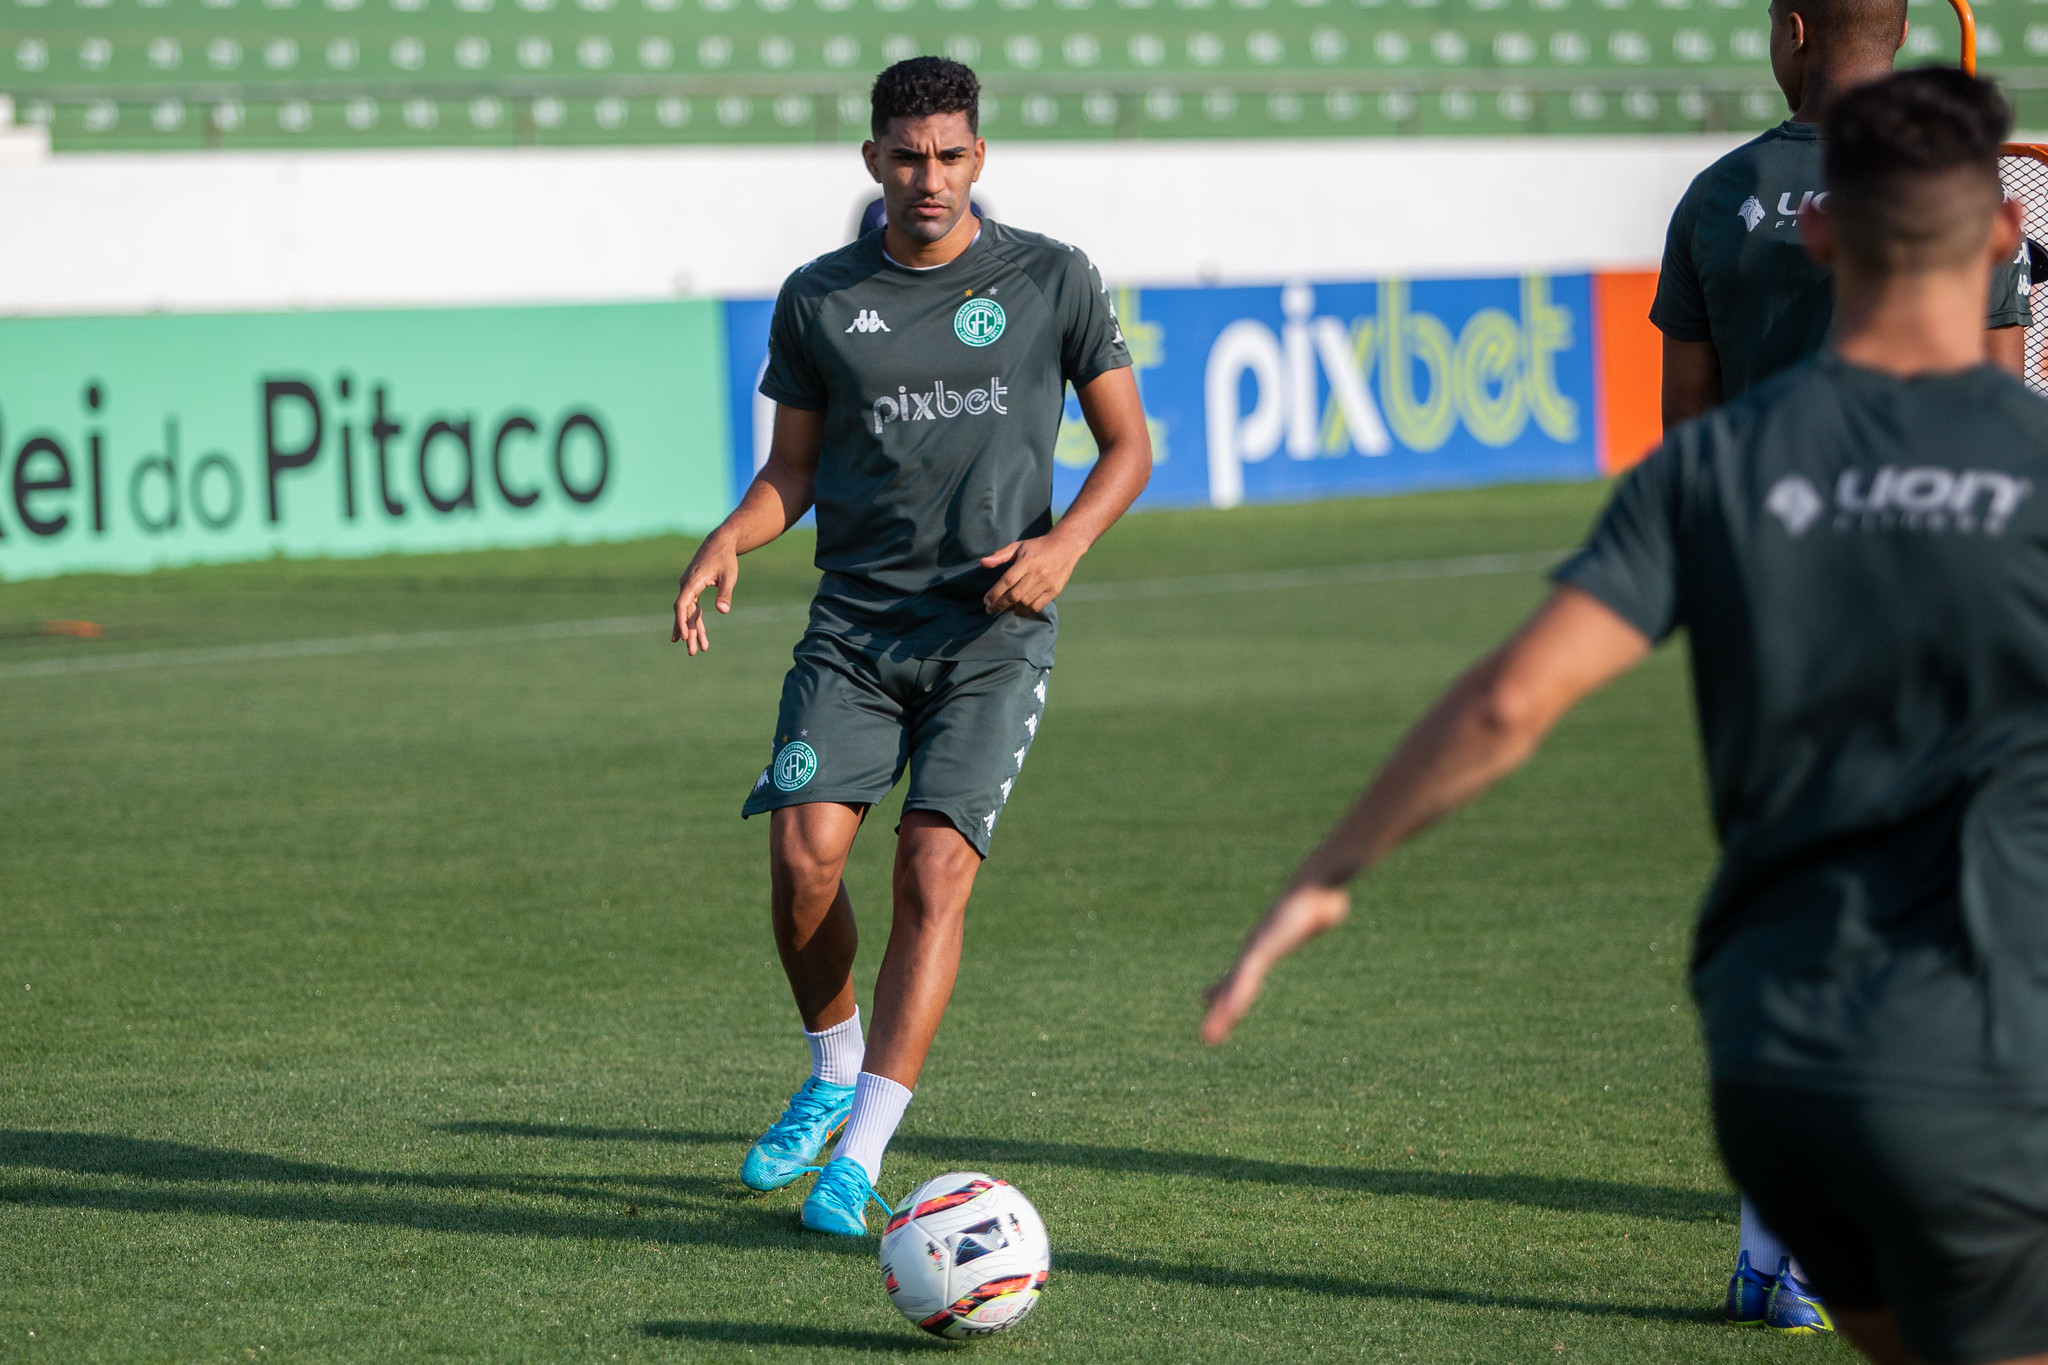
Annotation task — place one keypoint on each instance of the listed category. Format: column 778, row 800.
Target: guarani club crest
column 979, row 321
column 795, row 765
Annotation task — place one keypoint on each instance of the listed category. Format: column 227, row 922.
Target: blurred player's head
column 1912, row 176
column 926, row 151
column 1821, row 45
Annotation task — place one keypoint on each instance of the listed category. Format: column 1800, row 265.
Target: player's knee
column 803, row 872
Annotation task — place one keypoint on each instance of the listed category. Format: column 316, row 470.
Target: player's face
column 926, row 168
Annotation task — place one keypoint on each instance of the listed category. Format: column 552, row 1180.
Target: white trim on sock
column 878, row 1105
column 837, row 1052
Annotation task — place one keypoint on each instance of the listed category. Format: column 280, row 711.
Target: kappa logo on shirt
column 1917, row 498
column 867, row 320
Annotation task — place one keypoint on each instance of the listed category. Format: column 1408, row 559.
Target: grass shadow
column 1224, row 1277
column 773, row 1334
column 1564, row 1194
column 177, row 1177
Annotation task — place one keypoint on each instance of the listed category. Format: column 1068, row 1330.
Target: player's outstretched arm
column 1480, row 730
column 1038, row 569
column 779, row 495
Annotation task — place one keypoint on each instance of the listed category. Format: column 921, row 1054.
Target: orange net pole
column 1969, row 25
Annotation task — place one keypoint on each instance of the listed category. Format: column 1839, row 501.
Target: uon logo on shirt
column 1751, row 212
column 1917, row 498
column 795, row 765
column 1796, row 502
column 979, row 321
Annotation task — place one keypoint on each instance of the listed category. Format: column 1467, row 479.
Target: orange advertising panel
column 1628, row 368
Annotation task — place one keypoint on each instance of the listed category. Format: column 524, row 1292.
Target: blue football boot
column 1749, row 1294
column 838, row 1203
column 816, row 1113
column 1793, row 1309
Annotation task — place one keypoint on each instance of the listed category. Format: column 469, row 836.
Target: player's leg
column 967, row 739
column 813, row 916
column 1769, row 1288
column 1923, row 1219
column 837, row 751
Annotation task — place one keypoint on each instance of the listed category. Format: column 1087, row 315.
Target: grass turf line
column 421, row 1003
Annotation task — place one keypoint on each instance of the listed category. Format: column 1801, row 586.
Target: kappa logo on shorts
column 795, row 765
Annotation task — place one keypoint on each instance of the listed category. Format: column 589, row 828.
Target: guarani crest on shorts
column 795, row 764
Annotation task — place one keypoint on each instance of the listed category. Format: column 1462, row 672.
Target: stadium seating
column 128, row 74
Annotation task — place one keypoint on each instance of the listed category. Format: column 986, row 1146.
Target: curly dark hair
column 1901, row 153
column 923, row 86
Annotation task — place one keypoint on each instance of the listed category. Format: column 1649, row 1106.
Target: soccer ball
column 965, row 1256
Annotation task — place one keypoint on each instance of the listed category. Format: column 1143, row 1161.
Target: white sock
column 878, row 1105
column 836, row 1052
column 1766, row 1252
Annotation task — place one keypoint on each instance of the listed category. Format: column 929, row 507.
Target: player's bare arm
column 1040, row 567
column 778, row 496
column 1482, row 729
column 1692, row 380
column 2008, row 349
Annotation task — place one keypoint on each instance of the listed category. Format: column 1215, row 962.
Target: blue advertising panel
column 1283, row 393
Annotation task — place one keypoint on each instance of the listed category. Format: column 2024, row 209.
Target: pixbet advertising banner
column 1308, row 390
column 128, row 443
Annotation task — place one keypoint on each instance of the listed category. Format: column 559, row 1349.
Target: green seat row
column 108, row 73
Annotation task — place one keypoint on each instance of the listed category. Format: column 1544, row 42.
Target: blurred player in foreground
column 1859, row 552
column 919, row 376
column 1739, row 298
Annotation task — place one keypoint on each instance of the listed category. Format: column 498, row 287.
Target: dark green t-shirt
column 1861, row 564
column 1736, row 274
column 942, row 391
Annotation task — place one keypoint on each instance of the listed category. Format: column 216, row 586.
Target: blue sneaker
column 815, row 1115
column 1749, row 1294
column 838, row 1203
column 1793, row 1309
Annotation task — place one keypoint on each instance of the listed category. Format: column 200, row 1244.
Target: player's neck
column 907, row 250
column 1823, row 85
column 1930, row 322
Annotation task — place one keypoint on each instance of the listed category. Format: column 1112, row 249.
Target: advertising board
column 1308, row 390
column 129, row 443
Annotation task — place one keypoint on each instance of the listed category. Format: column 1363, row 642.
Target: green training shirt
column 1861, row 564
column 1736, row 274
column 942, row 391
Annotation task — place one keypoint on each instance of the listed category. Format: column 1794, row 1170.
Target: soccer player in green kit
column 1738, row 299
column 919, row 376
column 1858, row 550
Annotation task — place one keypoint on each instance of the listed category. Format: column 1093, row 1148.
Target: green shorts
column 1933, row 1206
column 853, row 721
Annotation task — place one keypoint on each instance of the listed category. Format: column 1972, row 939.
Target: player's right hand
column 714, row 565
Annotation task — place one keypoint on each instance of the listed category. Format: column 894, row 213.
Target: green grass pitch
column 419, row 1002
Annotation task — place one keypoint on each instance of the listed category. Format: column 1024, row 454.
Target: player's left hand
column 1038, row 572
column 1297, row 917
